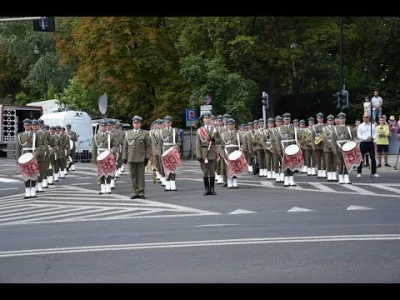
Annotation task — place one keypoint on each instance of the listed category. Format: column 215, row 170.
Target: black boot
column 206, row 186
column 211, row 190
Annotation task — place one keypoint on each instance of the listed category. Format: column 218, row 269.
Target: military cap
column 109, row 122
column 41, row 122
column 295, row 121
column 46, row 127
column 226, row 116
column 341, row 115
column 261, row 120
column 250, row 124
column 27, row 122
column 311, row 119
column 231, row 121
column 35, row 122
column 103, row 122
column 52, row 127
column 255, row 122
column 137, row 119
column 330, row 117
column 270, row 120
column 278, row 118
column 302, row 121
column 241, row 125
column 286, row 116
column 219, row 117
column 167, row 119
column 62, row 128
column 161, row 122
column 58, row 127
column 68, row 125
column 207, row 114
column 319, row 115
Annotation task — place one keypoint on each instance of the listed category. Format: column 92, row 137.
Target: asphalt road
column 261, row 232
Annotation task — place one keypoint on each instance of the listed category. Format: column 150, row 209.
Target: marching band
column 224, row 149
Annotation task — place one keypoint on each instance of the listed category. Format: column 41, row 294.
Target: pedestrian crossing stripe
column 8, row 180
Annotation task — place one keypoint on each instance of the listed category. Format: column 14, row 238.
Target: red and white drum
column 71, row 144
column 171, row 160
column 237, row 164
column 106, row 164
column 293, row 158
column 351, row 155
column 29, row 166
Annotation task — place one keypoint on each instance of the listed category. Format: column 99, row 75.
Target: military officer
column 41, row 151
column 170, row 138
column 286, row 136
column 341, row 135
column 207, row 140
column 249, row 147
column 64, row 150
column 330, row 158
column 310, row 149
column 73, row 136
column 318, row 141
column 137, row 151
column 231, row 140
column 26, row 143
column 103, row 141
column 52, row 146
column 270, row 149
column 57, row 151
column 279, row 175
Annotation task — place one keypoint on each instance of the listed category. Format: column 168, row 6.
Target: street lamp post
column 36, row 49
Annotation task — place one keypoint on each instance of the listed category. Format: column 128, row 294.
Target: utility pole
column 341, row 87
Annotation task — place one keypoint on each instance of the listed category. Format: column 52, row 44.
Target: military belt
column 26, row 149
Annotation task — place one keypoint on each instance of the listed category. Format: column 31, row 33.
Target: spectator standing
column 182, row 137
column 382, row 142
column 367, row 105
column 376, row 102
column 366, row 134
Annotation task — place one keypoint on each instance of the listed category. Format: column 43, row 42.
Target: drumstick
column 208, row 149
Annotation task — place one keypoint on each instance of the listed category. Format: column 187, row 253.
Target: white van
column 81, row 123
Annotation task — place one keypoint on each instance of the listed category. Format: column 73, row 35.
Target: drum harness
column 167, row 138
column 99, row 149
column 341, row 142
column 287, row 141
column 229, row 145
column 28, row 148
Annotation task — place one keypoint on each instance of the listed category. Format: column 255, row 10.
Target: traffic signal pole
column 21, row 19
column 341, row 79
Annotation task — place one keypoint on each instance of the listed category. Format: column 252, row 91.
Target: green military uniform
column 103, row 141
column 330, row 158
column 41, row 151
column 137, row 151
column 73, row 136
column 231, row 140
column 170, row 138
column 26, row 143
column 286, row 135
column 207, row 139
column 52, row 144
column 319, row 157
column 221, row 165
column 268, row 142
column 64, row 151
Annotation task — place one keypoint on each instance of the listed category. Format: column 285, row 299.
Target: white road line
column 358, row 189
column 204, row 243
column 387, row 188
column 63, row 213
column 216, row 225
column 9, row 180
column 322, row 187
column 80, row 183
column 14, row 203
column 10, row 188
column 268, row 184
column 20, row 209
column 126, row 214
column 44, row 211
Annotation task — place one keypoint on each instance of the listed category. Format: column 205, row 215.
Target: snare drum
column 351, row 155
column 71, row 144
column 105, row 164
column 28, row 166
column 171, row 159
column 237, row 163
column 293, row 158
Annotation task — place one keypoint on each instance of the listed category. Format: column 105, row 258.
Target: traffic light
column 336, row 99
column 344, row 99
column 44, row 24
column 265, row 100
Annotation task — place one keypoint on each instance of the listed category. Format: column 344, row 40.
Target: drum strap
column 205, row 136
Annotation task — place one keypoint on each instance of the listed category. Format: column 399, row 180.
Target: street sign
column 205, row 108
column 190, row 123
column 191, row 115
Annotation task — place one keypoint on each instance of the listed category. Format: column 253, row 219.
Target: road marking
column 10, row 188
column 358, row 189
column 241, row 211
column 298, row 209
column 387, row 188
column 322, row 187
column 216, row 225
column 204, row 243
column 8, row 180
column 355, row 207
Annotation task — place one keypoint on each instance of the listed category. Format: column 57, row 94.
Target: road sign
column 190, row 123
column 191, row 115
column 205, row 108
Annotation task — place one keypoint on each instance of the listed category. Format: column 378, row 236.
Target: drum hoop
column 232, row 156
column 290, row 147
column 27, row 155
column 100, row 156
column 349, row 143
column 168, row 151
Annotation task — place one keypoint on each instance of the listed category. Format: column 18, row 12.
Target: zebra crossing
column 76, row 204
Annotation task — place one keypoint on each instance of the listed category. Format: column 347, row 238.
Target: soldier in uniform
column 207, row 140
column 57, row 151
column 103, row 141
column 137, row 151
column 258, row 148
column 341, row 135
column 231, row 140
column 269, row 140
column 161, row 126
column 41, row 151
column 64, row 151
column 302, row 134
column 221, row 164
column 121, row 136
column 26, row 143
column 249, row 147
column 318, row 141
column 330, row 158
column 170, row 138
column 279, row 173
column 52, row 147
column 310, row 149
column 73, row 136
column 286, row 136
